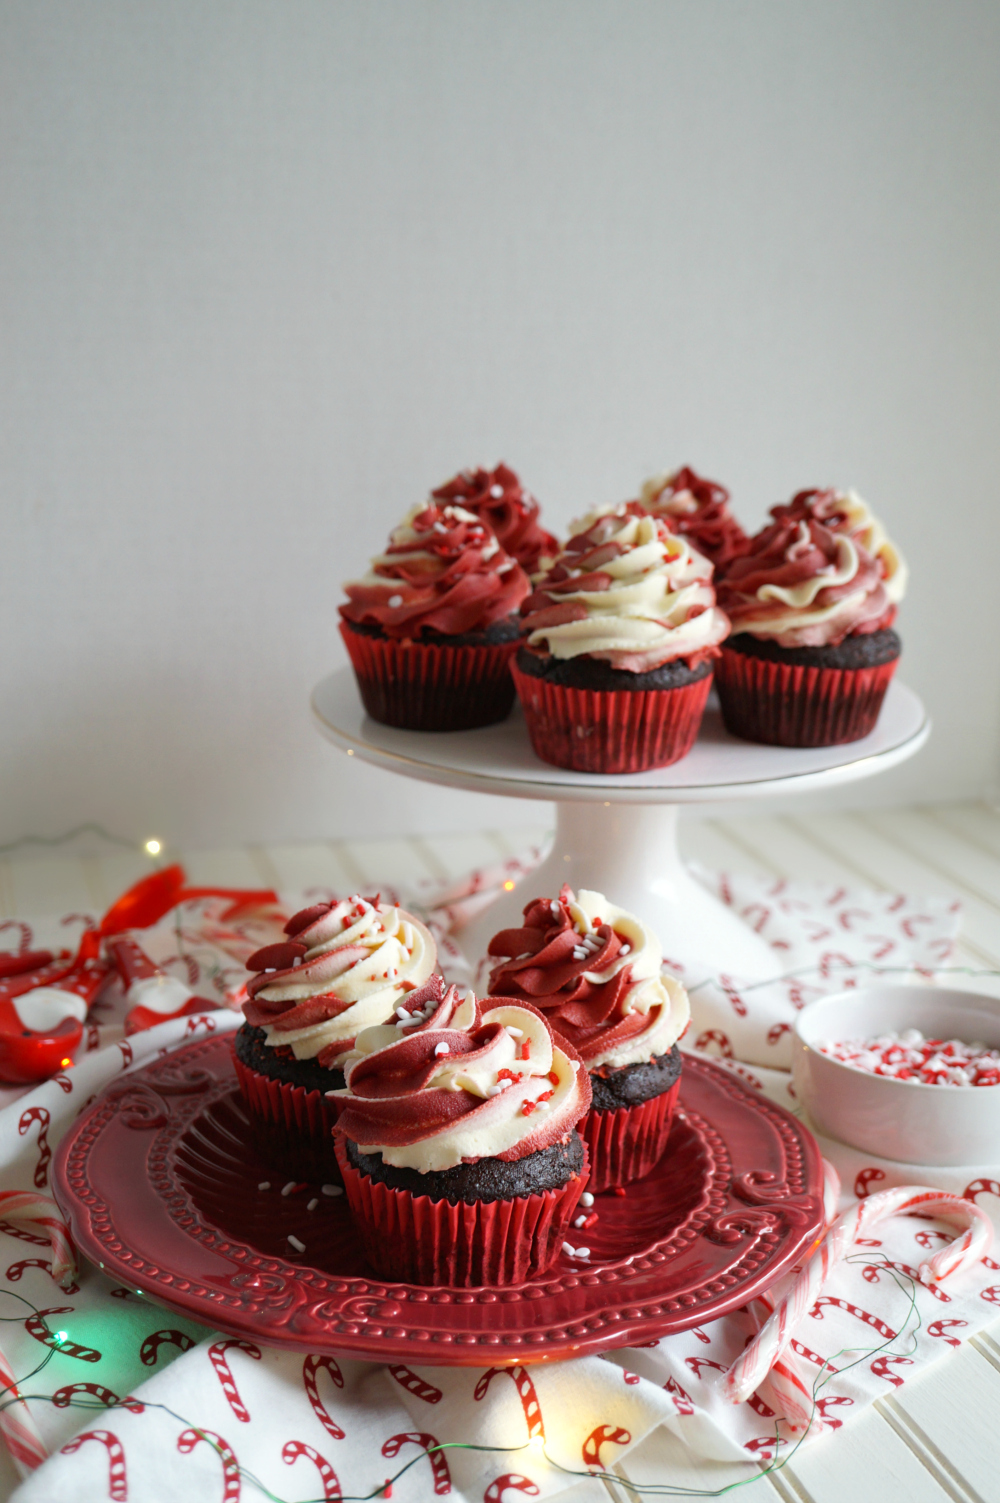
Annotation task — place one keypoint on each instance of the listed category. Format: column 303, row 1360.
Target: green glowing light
column 60, row 1336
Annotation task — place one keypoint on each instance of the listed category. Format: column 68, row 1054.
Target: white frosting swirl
column 659, row 604
column 395, row 954
column 862, row 525
column 525, row 1083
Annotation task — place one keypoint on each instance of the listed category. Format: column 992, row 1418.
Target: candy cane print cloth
column 309, row 1435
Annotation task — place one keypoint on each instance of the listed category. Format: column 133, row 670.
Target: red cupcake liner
column 786, row 705
column 610, row 730
column 412, row 1239
column 423, row 686
column 293, row 1127
column 627, row 1144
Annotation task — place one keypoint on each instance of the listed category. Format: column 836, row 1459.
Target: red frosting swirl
column 499, row 498
column 710, row 525
column 390, row 1100
column 547, row 974
column 787, row 554
column 442, row 572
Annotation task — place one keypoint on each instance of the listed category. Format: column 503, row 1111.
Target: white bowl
column 903, row 1120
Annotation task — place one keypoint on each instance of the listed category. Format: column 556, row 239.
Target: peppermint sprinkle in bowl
column 909, row 1073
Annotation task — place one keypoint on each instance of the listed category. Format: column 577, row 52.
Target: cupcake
column 594, row 972
column 431, row 628
column 698, row 510
column 345, row 965
column 499, row 499
column 620, row 638
column 457, row 1142
column 812, row 649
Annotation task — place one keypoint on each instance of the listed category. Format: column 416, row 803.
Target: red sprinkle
column 620, row 1190
column 553, row 1077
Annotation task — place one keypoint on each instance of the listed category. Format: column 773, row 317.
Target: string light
column 152, row 847
column 536, row 1444
column 509, row 886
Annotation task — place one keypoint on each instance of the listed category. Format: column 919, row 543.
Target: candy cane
column 117, row 1487
column 715, row 1036
column 749, row 1370
column 21, row 1209
column 494, row 1493
column 980, row 1187
column 39, row 1114
column 16, row 1270
column 217, row 1357
column 938, row 1328
column 864, row 1179
column 310, row 1368
column 151, row 1346
column 18, row 1428
column 420, row 1390
column 880, row 1367
column 871, row 1272
column 35, row 1326
column 63, row 1397
column 604, row 1434
column 230, row 1466
column 525, row 1392
column 293, row 1449
column 437, row 1459
column 682, row 1401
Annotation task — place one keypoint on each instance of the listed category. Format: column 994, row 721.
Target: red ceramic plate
column 160, row 1185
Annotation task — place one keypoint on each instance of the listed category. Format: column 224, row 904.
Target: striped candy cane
column 765, row 1354
column 28, row 1208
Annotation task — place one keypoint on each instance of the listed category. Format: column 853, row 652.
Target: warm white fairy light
column 153, row 847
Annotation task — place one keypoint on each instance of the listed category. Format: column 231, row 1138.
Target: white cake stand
column 618, row 835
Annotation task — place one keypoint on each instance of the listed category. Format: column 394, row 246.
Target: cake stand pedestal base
column 629, row 852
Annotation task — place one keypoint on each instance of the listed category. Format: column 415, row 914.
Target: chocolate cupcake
column 594, row 971
column 431, row 628
column 698, row 510
column 621, row 636
column 812, row 650
column 345, row 965
column 457, row 1143
column 499, row 499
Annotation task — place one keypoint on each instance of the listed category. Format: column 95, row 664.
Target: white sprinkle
column 586, row 1199
column 269, row 970
column 555, row 907
column 312, row 1205
column 496, row 490
column 333, row 1190
column 515, row 1033
column 582, row 1252
column 441, row 1048
column 579, row 1221
column 542, row 1106
column 402, row 1014
column 625, row 950
column 580, row 954
column 494, row 1090
column 287, row 1190
column 395, row 601
column 265, row 1184
column 299, row 1246
column 568, row 1250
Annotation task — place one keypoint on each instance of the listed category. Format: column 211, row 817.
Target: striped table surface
column 935, row 1437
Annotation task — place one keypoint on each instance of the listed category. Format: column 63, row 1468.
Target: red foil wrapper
column 412, row 1239
column 293, row 1127
column 784, row 705
column 610, row 730
column 627, row 1144
column 422, row 686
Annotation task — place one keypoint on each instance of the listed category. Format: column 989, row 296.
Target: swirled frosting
column 499, row 498
column 697, row 509
column 345, row 966
column 801, row 585
column 595, row 972
column 443, row 571
column 846, row 512
column 627, row 591
column 461, row 1084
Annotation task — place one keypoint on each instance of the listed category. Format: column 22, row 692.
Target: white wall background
column 271, row 268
